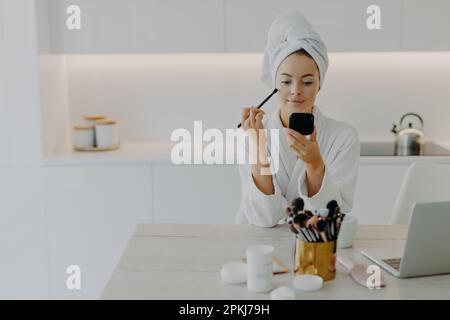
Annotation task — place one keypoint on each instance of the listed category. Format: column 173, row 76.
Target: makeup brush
column 263, row 102
column 296, row 210
column 308, row 213
column 331, row 206
column 321, row 225
column 293, row 229
column 302, row 220
column 300, row 232
column 298, row 202
column 288, row 210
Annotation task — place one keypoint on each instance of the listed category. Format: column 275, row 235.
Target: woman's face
column 297, row 81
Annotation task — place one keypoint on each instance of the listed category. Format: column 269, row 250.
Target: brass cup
column 317, row 258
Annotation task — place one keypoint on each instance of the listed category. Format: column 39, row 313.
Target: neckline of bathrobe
column 292, row 165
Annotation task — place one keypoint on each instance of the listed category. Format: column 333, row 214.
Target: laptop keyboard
column 394, row 263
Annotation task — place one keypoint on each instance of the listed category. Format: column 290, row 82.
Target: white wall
column 151, row 95
column 4, row 132
column 23, row 242
column 20, row 92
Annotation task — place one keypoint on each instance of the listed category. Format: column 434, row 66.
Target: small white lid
column 282, row 293
column 234, row 272
column 308, row 282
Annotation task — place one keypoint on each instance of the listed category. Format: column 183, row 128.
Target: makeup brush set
column 321, row 226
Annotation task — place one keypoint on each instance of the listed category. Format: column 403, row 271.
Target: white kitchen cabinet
column 209, row 26
column 92, row 212
column 341, row 24
column 426, row 25
column 23, row 244
column 196, row 194
column 376, row 191
column 373, row 211
column 139, row 26
column 379, row 181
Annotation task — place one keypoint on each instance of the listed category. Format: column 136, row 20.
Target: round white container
column 234, row 272
column 347, row 233
column 106, row 133
column 308, row 282
column 259, row 268
column 83, row 136
column 282, row 293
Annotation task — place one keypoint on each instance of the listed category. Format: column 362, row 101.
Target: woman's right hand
column 252, row 118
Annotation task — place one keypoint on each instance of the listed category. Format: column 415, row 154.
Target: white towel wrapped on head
column 288, row 33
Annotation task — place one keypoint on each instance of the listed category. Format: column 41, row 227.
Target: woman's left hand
column 305, row 149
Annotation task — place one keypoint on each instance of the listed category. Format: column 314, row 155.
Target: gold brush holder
column 317, row 258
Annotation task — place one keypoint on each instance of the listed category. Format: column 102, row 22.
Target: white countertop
column 175, row 261
column 146, row 153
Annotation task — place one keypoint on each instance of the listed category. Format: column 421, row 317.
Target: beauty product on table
column 282, row 293
column 308, row 282
column 316, row 237
column 259, row 268
column 322, row 226
column 234, row 272
column 358, row 271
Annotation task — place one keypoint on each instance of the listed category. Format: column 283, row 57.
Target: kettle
column 409, row 140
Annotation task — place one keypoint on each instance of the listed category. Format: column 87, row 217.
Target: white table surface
column 183, row 261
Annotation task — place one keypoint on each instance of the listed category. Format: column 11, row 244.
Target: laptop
column 427, row 248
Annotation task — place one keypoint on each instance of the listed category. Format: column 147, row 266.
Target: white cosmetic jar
column 259, row 268
column 83, row 136
column 106, row 133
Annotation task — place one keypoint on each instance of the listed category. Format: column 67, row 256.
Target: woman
column 318, row 168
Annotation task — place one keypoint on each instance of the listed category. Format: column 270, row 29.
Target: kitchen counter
column 179, row 261
column 147, row 153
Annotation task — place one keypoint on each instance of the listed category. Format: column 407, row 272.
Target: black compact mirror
column 303, row 123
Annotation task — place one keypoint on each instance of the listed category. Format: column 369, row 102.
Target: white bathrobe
column 340, row 150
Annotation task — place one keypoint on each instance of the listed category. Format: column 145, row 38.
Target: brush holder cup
column 316, row 258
